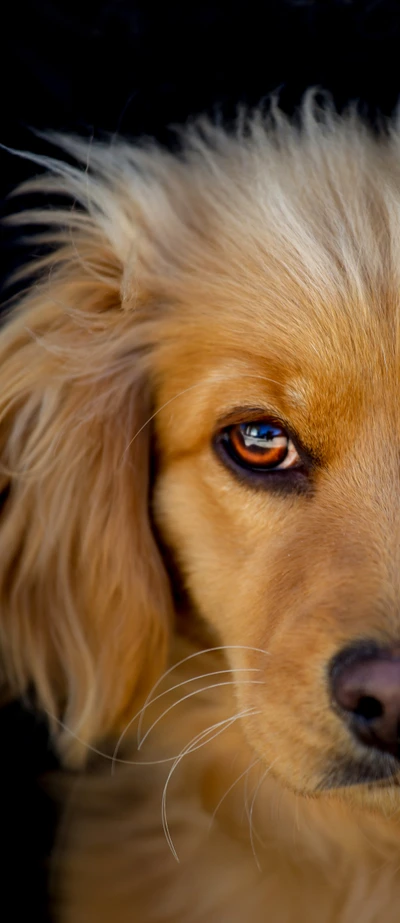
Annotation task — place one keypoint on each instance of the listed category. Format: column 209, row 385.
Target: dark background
column 131, row 68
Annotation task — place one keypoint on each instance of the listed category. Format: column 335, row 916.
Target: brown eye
column 261, row 446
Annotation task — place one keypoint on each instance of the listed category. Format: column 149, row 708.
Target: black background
column 131, row 68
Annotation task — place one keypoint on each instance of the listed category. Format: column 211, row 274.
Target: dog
column 200, row 529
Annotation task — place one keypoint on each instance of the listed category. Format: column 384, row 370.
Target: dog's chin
column 370, row 780
column 372, row 783
column 380, row 769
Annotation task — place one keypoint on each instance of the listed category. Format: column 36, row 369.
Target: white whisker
column 193, row 679
column 257, row 789
column 107, row 756
column 209, row 650
column 185, row 391
column 225, row 795
column 246, row 798
column 231, row 682
column 194, row 745
column 113, row 758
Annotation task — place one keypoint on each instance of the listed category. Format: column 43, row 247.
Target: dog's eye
column 260, row 446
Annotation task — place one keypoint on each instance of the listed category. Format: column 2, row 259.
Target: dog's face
column 289, row 545
column 256, row 301
column 277, row 429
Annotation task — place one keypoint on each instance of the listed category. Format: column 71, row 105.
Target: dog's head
column 217, row 342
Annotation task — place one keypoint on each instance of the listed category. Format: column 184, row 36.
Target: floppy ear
column 84, row 599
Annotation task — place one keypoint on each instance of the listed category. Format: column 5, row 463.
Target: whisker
column 112, row 759
column 246, row 798
column 247, row 807
column 225, row 795
column 258, row 786
column 194, row 745
column 231, row 682
column 193, row 679
column 209, row 650
column 159, row 409
column 185, row 391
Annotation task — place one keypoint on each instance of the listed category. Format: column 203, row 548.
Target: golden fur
column 258, row 268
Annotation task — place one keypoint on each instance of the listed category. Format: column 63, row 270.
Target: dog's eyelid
column 248, row 414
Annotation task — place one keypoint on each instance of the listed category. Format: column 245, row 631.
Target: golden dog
column 200, row 529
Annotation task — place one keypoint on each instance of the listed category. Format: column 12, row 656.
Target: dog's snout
column 366, row 690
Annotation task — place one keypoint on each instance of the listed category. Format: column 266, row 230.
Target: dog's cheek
column 219, row 541
column 261, row 589
column 224, row 554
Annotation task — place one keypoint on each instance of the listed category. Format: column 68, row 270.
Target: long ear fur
column 84, row 599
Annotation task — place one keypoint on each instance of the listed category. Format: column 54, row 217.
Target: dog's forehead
column 313, row 346
column 326, row 396
column 331, row 374
column 289, row 299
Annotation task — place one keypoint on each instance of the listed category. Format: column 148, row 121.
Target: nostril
column 368, row 708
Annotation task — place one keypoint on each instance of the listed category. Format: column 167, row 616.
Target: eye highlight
column 261, row 445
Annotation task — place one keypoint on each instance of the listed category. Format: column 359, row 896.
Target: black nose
column 366, row 689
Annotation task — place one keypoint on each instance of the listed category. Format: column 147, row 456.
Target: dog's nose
column 366, row 688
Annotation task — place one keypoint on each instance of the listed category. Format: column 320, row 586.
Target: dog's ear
column 84, row 598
